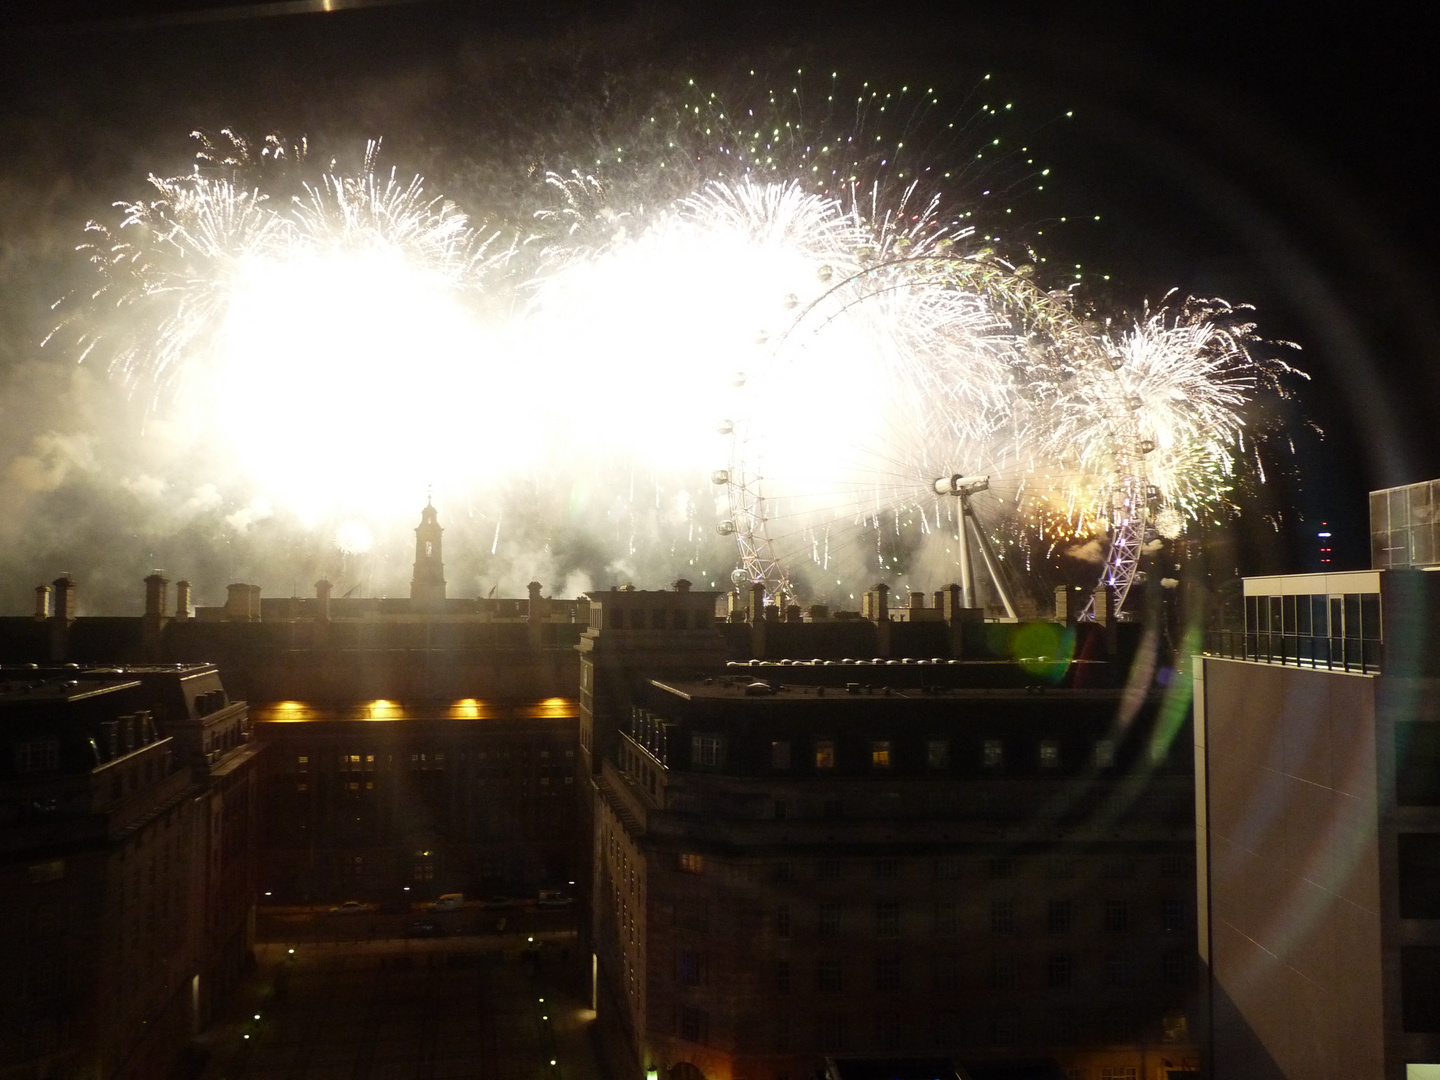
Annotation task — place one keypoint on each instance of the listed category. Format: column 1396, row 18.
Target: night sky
column 1254, row 152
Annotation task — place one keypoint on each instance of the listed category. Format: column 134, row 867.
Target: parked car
column 498, row 903
column 450, row 901
column 424, row 928
column 552, row 898
column 353, row 907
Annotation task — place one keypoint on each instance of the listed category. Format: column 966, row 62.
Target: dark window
column 689, row 968
column 1417, row 763
column 1002, row 868
column 887, row 869
column 887, row 975
column 937, row 754
column 1419, row 875
column 945, row 1030
column 782, row 921
column 1002, row 916
column 1064, row 1025
column 887, row 1031
column 828, row 870
column 1057, row 917
column 1117, row 915
column 692, row 1023
column 947, row 868
column 1420, row 987
column 1175, row 967
column 829, row 922
column 1004, row 1027
column 1174, row 915
column 1119, row 971
column 706, row 751
column 782, row 809
column 1003, row 973
column 947, row 920
column 1059, row 971
column 782, row 976
column 832, row 1032
column 829, row 976
column 993, row 754
column 947, row 971
column 887, row 920
column 832, row 809
column 780, row 755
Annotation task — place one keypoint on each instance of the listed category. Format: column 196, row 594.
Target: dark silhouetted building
column 127, row 838
column 985, row 854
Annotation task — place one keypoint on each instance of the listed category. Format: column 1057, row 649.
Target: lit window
column 880, row 754
column 824, row 753
column 691, row 863
column 994, row 753
column 1049, row 754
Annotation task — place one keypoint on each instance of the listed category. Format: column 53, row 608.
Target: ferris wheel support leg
column 992, row 563
column 967, row 569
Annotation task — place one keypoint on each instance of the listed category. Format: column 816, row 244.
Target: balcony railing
column 1363, row 655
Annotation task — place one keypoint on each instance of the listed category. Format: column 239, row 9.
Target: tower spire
column 427, row 582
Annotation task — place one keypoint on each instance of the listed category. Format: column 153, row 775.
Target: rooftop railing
column 1362, row 655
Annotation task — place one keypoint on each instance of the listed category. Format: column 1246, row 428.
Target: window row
column 887, row 975
column 707, row 751
column 1061, row 917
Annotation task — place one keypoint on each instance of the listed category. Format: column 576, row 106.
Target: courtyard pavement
column 483, row 1006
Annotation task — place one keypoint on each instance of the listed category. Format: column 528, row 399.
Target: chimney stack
column 64, row 594
column 182, row 600
column 42, row 601
column 157, row 587
column 62, row 614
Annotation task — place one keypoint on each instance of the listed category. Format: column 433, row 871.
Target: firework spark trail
column 880, row 342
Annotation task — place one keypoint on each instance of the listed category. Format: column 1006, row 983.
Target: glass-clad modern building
column 1405, row 526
